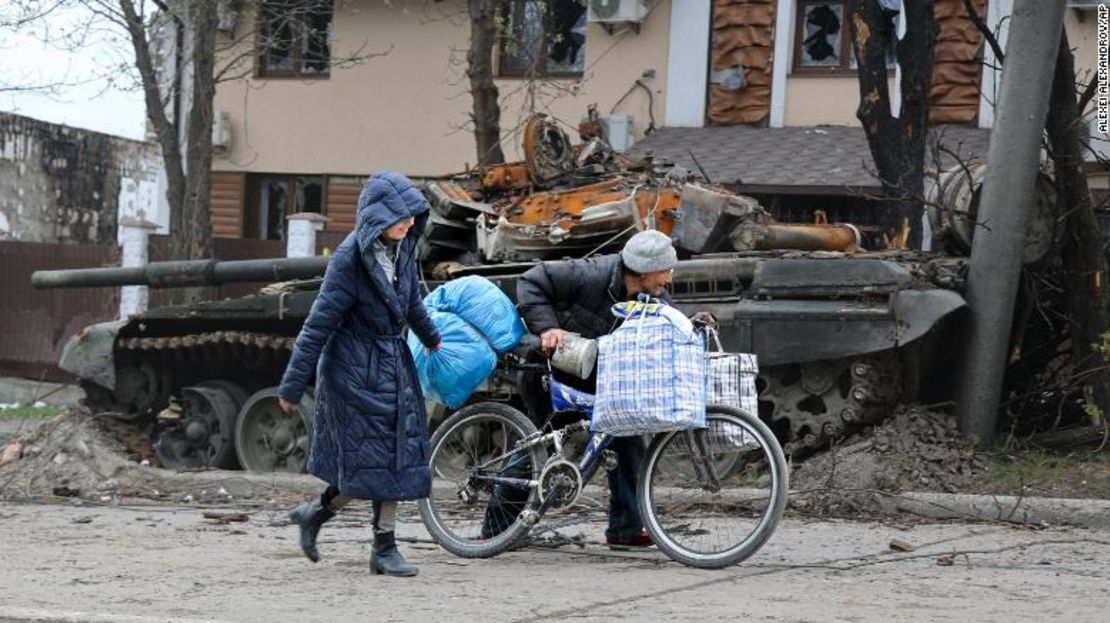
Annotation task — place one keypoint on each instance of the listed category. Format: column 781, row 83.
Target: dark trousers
column 507, row 502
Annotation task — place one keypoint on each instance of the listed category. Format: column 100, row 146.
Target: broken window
column 294, row 38
column 542, row 38
column 822, row 37
column 274, row 197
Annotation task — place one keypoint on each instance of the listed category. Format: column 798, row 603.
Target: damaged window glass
column 542, row 38
column 821, row 42
column 295, row 38
column 823, row 39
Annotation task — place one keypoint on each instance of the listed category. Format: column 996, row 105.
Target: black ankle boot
column 386, row 559
column 310, row 516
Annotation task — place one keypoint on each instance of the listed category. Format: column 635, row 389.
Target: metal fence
column 35, row 324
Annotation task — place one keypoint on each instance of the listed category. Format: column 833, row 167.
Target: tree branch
column 985, row 30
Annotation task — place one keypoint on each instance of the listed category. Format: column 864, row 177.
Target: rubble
column 916, row 449
column 68, row 455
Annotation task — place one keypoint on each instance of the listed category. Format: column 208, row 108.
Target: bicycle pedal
column 610, row 460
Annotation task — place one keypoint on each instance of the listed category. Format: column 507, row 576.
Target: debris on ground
column 11, row 452
column 68, row 455
column 225, row 518
column 901, row 545
column 79, row 455
column 916, row 449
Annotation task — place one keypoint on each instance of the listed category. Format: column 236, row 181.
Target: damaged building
column 68, row 185
column 759, row 95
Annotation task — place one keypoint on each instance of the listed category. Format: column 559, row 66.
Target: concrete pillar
column 135, row 234
column 1008, row 197
column 688, row 63
column 780, row 65
column 301, row 239
column 997, row 19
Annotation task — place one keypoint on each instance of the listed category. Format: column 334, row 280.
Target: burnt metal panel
column 800, row 277
column 800, row 331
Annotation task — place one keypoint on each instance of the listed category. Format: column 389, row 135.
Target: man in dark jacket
column 577, row 296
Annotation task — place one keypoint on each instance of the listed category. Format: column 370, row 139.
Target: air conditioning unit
column 610, row 11
column 221, row 132
column 618, row 131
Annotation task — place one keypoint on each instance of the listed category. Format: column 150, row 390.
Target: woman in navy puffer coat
column 370, row 431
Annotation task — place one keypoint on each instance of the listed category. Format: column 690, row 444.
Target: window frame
column 503, row 41
column 252, row 208
column 847, row 54
column 297, row 47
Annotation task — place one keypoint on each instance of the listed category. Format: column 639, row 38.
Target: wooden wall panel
column 341, row 203
column 228, row 197
column 954, row 97
column 743, row 34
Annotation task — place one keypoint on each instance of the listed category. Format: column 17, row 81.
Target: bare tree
column 897, row 143
column 486, row 114
column 182, row 39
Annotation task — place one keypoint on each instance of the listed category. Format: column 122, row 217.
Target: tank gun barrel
column 179, row 274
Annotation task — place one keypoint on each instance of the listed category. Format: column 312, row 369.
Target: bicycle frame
column 563, row 398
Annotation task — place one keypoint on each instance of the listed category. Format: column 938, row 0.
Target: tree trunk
column 486, row 114
column 164, row 129
column 1084, row 264
column 195, row 241
column 897, row 143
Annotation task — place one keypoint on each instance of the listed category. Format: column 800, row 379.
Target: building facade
column 347, row 87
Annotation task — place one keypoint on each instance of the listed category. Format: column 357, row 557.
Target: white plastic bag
column 731, row 377
column 650, row 373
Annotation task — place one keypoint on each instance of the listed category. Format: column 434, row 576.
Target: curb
column 1083, row 513
column 28, row 615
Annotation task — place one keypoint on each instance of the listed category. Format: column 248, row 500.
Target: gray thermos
column 577, row 356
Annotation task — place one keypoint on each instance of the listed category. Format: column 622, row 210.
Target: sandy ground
column 68, row 562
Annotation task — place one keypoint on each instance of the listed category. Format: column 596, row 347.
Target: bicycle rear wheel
column 466, row 513
column 708, row 525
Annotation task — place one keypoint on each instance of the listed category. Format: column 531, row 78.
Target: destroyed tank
column 840, row 340
column 841, row 334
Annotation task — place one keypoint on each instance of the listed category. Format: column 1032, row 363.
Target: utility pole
column 1013, row 161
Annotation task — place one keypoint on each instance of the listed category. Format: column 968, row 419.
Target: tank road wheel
column 268, row 439
column 204, row 436
column 823, row 400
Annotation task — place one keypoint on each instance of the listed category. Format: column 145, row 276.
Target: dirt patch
column 914, row 450
column 77, row 455
column 1083, row 473
column 72, row 455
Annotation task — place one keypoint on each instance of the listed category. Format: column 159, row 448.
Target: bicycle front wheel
column 711, row 497
column 479, row 485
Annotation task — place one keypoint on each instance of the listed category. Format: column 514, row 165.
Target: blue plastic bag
column 452, row 373
column 480, row 302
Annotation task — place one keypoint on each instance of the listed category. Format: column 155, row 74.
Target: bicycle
column 491, row 452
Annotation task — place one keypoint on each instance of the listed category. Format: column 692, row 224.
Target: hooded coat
column 370, row 430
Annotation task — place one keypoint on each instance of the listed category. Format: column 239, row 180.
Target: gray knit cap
column 648, row 252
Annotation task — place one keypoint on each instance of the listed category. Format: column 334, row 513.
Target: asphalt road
column 167, row 563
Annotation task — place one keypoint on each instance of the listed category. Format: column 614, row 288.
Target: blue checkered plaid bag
column 650, row 373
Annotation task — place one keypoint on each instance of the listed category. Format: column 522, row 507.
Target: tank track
column 820, row 402
column 201, row 340
column 150, row 377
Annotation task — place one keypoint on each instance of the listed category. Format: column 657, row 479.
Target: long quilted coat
column 370, row 430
